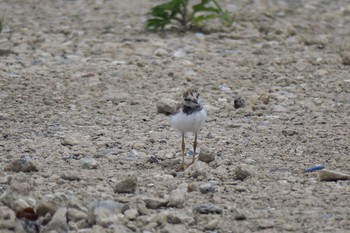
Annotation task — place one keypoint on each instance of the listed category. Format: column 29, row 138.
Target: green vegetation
column 1, row 23
column 177, row 13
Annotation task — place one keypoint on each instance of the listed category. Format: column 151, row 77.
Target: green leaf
column 199, row 19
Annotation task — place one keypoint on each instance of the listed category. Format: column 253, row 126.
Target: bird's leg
column 183, row 150
column 194, row 148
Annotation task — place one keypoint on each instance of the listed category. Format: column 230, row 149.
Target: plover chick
column 189, row 118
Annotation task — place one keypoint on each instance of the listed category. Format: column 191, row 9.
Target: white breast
column 189, row 123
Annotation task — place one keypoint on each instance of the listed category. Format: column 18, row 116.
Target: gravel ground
column 84, row 147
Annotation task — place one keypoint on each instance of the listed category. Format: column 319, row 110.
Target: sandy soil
column 80, row 82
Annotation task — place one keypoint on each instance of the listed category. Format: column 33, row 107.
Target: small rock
column 198, row 169
column 22, row 165
column 160, row 52
column 208, row 187
column 265, row 224
column 105, row 213
column 239, row 102
column 237, row 215
column 193, row 187
column 206, row 155
column 20, row 204
column 174, row 228
column 212, row 225
column 119, row 228
column 69, row 140
column 207, row 209
column 155, row 203
column 89, row 163
column 58, row 223
column 128, row 185
column 345, row 56
column 75, row 215
column 177, row 198
column 70, row 177
column 131, row 214
column 50, row 203
column 7, row 218
column 329, row 175
column 166, row 106
column 265, row 98
column 242, row 172
column 181, row 216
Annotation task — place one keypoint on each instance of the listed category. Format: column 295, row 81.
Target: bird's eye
column 187, row 99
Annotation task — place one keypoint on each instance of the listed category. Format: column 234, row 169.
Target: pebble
column 160, row 52
column 166, row 106
column 89, row 163
column 58, row 223
column 242, row 172
column 131, row 214
column 7, row 218
column 155, row 203
column 127, row 185
column 22, row 165
column 330, row 175
column 198, row 169
column 207, row 209
column 105, row 213
column 50, row 203
column 70, row 176
column 69, row 140
column 211, row 225
column 208, row 187
column 174, row 228
column 75, row 215
column 345, row 56
column 239, row 102
column 206, row 155
column 177, row 198
column 193, row 187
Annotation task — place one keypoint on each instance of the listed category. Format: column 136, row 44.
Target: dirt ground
column 79, row 85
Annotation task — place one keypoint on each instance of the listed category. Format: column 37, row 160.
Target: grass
column 181, row 14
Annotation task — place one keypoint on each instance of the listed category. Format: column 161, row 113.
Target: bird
column 189, row 118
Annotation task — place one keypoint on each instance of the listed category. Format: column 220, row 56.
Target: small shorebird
column 189, row 118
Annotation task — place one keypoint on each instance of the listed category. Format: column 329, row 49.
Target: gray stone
column 193, row 187
column 50, row 203
column 345, row 56
column 89, row 163
column 131, row 214
column 177, row 198
column 58, row 222
column 70, row 176
column 181, row 216
column 206, row 155
column 22, row 165
column 155, row 203
column 75, row 215
column 166, row 106
column 127, row 185
column 7, row 218
column 242, row 172
column 207, row 209
column 105, row 213
column 208, row 187
column 329, row 175
column 239, row 102
column 160, row 52
column 69, row 140
column 8, row 198
column 171, row 228
column 211, row 225
column 198, row 169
